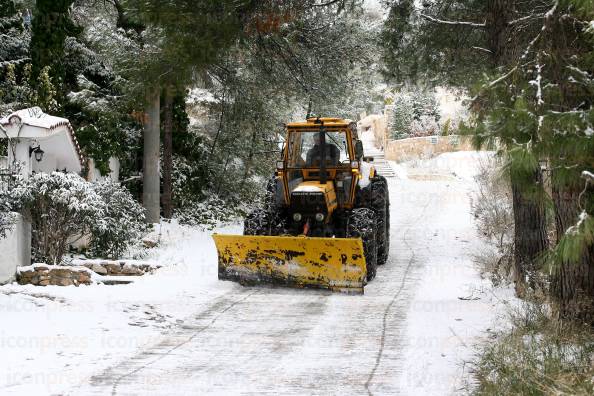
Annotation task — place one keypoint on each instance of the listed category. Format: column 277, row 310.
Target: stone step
column 382, row 167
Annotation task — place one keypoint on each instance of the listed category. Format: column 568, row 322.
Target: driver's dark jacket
column 314, row 155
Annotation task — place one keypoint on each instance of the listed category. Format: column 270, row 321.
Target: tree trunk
column 530, row 232
column 151, row 179
column 167, row 198
column 572, row 284
column 500, row 40
column 530, row 228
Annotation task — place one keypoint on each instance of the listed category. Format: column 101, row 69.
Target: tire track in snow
column 380, row 352
column 179, row 345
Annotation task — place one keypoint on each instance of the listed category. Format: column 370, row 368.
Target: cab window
column 305, row 150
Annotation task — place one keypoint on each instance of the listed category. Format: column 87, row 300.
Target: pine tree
column 547, row 94
column 457, row 43
column 563, row 83
column 538, row 105
column 14, row 59
column 50, row 27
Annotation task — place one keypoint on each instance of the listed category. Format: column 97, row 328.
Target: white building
column 37, row 142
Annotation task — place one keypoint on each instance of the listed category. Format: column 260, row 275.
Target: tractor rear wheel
column 380, row 203
column 362, row 224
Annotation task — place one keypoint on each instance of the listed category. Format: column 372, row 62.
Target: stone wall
column 45, row 275
column 85, row 272
column 425, row 147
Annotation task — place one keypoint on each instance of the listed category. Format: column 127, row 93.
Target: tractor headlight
column 354, row 164
column 297, row 217
column 320, row 216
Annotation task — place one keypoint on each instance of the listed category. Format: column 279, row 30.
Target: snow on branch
column 454, row 23
column 538, row 84
column 329, row 3
column 483, row 49
column 525, row 18
column 588, row 176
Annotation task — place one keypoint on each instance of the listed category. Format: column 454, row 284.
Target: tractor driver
column 314, row 155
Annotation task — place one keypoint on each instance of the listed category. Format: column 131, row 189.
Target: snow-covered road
column 410, row 333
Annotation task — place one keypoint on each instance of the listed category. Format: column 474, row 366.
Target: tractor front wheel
column 263, row 222
column 257, row 222
column 362, row 224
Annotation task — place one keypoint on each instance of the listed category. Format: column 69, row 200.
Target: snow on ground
column 53, row 338
column 453, row 309
column 460, row 165
column 181, row 331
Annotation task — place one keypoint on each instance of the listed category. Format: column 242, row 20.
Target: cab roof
column 315, row 122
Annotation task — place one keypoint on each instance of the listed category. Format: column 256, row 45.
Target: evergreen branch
column 493, row 83
column 454, row 23
column 547, row 15
column 531, row 44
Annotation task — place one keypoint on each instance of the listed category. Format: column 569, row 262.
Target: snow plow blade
column 329, row 263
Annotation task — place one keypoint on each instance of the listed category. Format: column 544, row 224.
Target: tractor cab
column 321, row 157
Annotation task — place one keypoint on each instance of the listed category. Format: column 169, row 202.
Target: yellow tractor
column 325, row 221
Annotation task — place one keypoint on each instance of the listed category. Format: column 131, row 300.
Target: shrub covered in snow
column 121, row 223
column 63, row 208
column 208, row 213
column 7, row 220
